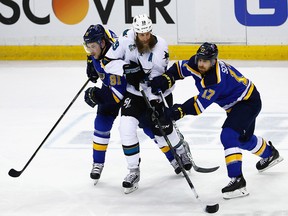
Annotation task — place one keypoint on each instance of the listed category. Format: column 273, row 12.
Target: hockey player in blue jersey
column 219, row 82
column 97, row 41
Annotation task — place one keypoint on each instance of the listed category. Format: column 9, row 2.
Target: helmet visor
column 91, row 48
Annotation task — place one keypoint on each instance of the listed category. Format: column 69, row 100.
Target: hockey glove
column 91, row 96
column 153, row 114
column 163, row 82
column 175, row 112
column 134, row 74
column 90, row 70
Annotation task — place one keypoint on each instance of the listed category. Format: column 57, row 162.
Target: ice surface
column 35, row 94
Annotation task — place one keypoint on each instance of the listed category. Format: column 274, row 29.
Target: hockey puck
column 212, row 208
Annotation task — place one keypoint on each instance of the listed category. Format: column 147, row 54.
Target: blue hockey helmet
column 207, row 51
column 95, row 33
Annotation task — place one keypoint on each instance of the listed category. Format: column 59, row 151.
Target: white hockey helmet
column 142, row 24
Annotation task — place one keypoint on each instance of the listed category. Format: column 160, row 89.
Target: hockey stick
column 195, row 167
column 14, row 173
column 207, row 208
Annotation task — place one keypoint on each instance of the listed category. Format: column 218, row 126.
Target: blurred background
column 53, row 29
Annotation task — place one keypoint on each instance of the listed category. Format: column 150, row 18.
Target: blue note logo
column 276, row 18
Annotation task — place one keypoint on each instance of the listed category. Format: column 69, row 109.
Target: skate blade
column 278, row 160
column 242, row 192
column 131, row 189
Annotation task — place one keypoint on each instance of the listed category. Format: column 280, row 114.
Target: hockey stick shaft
column 15, row 173
column 207, row 208
column 169, row 144
column 195, row 167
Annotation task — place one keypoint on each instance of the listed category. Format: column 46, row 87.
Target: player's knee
column 244, row 138
column 128, row 130
column 248, row 143
column 229, row 138
column 103, row 122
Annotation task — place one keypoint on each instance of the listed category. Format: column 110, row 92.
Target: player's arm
column 195, row 105
column 113, row 60
column 118, row 87
column 177, row 71
column 112, row 92
column 90, row 70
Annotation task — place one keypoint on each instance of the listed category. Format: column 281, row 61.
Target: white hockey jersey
column 154, row 63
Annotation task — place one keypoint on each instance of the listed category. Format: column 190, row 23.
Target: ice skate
column 187, row 149
column 187, row 164
column 186, row 157
column 235, row 188
column 266, row 163
column 130, row 182
column 176, row 166
column 96, row 172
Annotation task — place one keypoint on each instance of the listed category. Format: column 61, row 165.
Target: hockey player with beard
column 140, row 55
column 108, row 98
column 219, row 82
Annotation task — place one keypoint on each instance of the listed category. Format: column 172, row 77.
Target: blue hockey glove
column 91, row 96
column 90, row 70
column 175, row 112
column 163, row 82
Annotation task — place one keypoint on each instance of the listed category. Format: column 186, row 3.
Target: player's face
column 204, row 65
column 144, row 37
column 94, row 49
column 145, row 42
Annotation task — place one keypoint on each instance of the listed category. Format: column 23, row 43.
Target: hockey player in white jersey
column 108, row 98
column 140, row 55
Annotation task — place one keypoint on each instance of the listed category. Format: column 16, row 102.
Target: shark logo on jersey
column 115, row 45
column 127, row 103
column 132, row 47
column 166, row 57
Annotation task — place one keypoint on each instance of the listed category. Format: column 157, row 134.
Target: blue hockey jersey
column 223, row 85
column 116, row 84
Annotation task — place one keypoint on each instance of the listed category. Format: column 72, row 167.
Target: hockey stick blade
column 14, row 173
column 204, row 170
column 208, row 208
column 195, row 167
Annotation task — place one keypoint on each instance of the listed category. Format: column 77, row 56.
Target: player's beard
column 147, row 47
column 202, row 70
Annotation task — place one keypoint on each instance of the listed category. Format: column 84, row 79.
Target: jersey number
column 115, row 80
column 208, row 93
column 239, row 79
